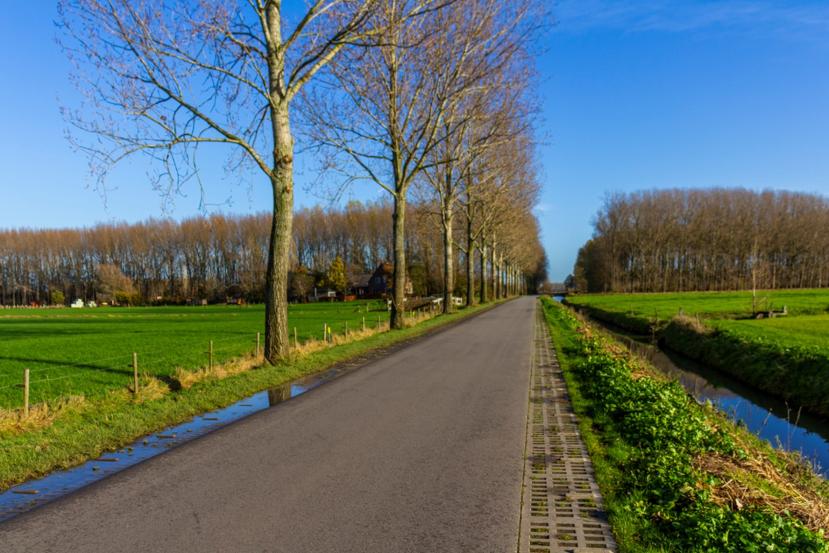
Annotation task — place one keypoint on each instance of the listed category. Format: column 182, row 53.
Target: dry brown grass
column 693, row 323
column 314, row 345
column 186, row 379
column 781, row 491
column 41, row 415
column 150, row 388
column 13, row 421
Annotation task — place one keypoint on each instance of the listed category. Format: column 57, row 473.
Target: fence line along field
column 88, row 352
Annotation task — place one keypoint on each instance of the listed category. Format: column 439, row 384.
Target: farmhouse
column 382, row 281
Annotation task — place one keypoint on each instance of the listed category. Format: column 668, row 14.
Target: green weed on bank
column 649, row 441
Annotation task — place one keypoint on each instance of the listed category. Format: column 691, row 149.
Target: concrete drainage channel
column 562, row 507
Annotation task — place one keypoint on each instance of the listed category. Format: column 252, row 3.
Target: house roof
column 386, row 269
column 359, row 280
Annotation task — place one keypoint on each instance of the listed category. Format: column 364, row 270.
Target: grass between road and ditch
column 76, row 431
column 785, row 356
column 676, row 475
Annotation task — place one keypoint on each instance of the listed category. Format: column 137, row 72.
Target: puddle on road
column 35, row 493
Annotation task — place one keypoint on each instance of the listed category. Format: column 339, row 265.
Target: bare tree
column 385, row 122
column 488, row 42
column 399, row 110
column 706, row 239
column 164, row 78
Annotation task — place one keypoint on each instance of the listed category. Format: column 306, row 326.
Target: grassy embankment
column 676, row 475
column 66, row 432
column 785, row 356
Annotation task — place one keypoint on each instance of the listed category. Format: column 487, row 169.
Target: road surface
column 420, row 451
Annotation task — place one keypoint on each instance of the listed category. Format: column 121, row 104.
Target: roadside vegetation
column 68, row 431
column 677, row 475
column 786, row 356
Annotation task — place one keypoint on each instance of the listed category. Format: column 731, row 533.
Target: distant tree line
column 712, row 239
column 211, row 258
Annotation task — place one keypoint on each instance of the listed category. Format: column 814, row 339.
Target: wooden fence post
column 296, row 340
column 364, row 324
column 257, row 344
column 25, row 392
column 134, row 373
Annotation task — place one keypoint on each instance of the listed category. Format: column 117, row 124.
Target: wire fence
column 60, row 379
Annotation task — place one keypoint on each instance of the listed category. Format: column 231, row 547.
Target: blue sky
column 644, row 94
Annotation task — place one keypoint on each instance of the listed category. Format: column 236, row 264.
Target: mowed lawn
column 809, row 332
column 89, row 351
column 708, row 305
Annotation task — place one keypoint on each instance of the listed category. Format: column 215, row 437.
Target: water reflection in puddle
column 34, row 493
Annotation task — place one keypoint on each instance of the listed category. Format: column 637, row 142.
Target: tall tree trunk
column 277, row 346
column 448, row 259
column 399, row 237
column 493, row 269
column 484, row 275
column 470, row 268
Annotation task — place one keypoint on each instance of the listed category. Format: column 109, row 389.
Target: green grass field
column 809, row 332
column 89, row 351
column 807, row 324
column 708, row 305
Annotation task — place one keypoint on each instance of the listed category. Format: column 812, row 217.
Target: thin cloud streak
column 675, row 16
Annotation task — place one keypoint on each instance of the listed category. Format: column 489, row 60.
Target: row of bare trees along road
column 394, row 92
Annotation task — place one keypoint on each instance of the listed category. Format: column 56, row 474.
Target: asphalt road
column 418, row 451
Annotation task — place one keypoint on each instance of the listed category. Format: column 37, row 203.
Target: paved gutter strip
column 562, row 508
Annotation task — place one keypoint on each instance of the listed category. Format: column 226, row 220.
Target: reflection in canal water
column 785, row 426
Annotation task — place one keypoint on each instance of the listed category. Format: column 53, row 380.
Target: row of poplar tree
column 218, row 257
column 706, row 239
column 388, row 92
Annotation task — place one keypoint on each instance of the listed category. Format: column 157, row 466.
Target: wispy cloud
column 753, row 16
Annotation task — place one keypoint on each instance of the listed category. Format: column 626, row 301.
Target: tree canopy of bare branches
column 164, row 78
column 714, row 239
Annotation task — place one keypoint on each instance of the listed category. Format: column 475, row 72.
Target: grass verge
column 676, row 475
column 81, row 430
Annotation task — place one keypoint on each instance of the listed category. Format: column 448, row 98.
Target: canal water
column 783, row 425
